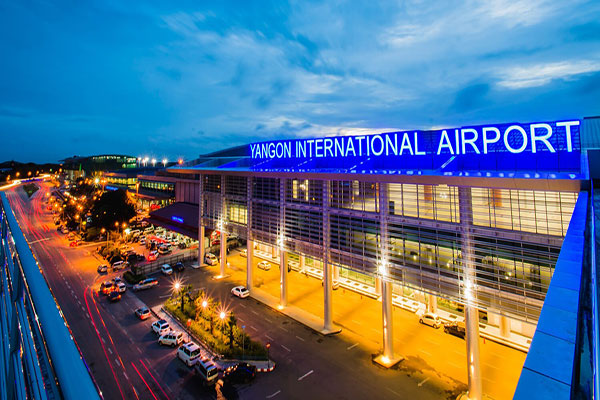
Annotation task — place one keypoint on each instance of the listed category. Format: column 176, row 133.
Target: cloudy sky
column 171, row 80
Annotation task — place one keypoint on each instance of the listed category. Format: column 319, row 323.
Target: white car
column 264, row 265
column 160, row 327
column 211, row 259
column 121, row 287
column 431, row 319
column 244, row 253
column 189, row 353
column 173, row 338
column 240, row 292
column 166, row 269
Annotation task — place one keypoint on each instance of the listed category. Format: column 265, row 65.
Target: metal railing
column 153, row 267
column 38, row 356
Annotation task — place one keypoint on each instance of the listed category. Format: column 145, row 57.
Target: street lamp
column 164, row 161
column 104, row 231
column 153, row 162
column 222, row 316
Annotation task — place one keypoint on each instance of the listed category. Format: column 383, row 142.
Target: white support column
column 327, row 284
column 200, row 245
column 470, row 295
column 302, row 262
column 378, row 285
column 223, row 260
column 274, row 252
column 201, row 232
column 250, row 265
column 432, row 303
column 472, row 339
column 336, row 273
column 504, row 326
column 283, row 278
column 388, row 326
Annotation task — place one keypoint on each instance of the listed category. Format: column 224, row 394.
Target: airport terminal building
column 470, row 219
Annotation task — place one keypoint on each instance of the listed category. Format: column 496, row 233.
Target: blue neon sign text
column 177, row 219
column 543, row 137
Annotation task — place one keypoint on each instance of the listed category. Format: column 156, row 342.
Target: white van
column 207, row 370
column 119, row 265
column 211, row 259
column 189, row 353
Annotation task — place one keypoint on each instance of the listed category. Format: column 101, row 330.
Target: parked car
column 240, row 373
column 74, row 243
column 164, row 250
column 143, row 313
column 178, row 266
column 207, row 370
column 120, row 265
column 244, row 253
column 189, row 353
column 102, row 269
column 153, row 255
column 145, row 284
column 431, row 319
column 166, row 269
column 240, row 292
column 160, row 327
column 264, row 265
column 114, row 296
column 121, row 287
column 173, row 338
column 455, row 328
column 211, row 259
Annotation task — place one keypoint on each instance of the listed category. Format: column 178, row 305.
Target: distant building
column 79, row 167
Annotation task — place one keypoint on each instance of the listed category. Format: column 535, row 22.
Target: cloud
column 542, row 74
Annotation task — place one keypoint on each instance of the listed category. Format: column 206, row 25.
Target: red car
column 153, row 255
column 74, row 243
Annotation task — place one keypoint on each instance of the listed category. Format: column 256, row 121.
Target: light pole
column 104, row 231
column 123, row 232
column 222, row 316
column 268, row 360
column 243, row 340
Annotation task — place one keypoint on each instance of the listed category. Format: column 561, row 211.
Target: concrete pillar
column 249, row 264
column 504, row 326
column 472, row 339
column 327, row 287
column 223, row 261
column 432, row 303
column 388, row 325
column 283, row 281
column 378, row 286
column 274, row 252
column 336, row 273
column 200, row 245
column 302, row 261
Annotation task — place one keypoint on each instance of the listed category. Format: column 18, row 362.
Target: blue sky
column 177, row 80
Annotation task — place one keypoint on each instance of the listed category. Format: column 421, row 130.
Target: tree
column 231, row 323
column 112, row 207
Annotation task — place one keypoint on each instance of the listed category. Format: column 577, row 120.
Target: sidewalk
column 304, row 317
column 515, row 340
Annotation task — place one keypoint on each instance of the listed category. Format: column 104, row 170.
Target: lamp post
column 243, row 340
column 268, row 360
column 104, row 231
column 123, row 232
column 117, row 226
column 222, row 315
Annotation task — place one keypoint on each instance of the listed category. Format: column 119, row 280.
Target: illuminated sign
column 544, row 137
column 177, row 219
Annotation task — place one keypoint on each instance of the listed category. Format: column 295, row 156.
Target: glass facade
column 514, row 235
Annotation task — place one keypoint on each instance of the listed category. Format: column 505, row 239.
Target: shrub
column 132, row 279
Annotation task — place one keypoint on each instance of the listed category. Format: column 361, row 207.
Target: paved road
column 126, row 361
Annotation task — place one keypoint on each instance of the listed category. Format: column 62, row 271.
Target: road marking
column 109, row 350
column 269, row 337
column 126, row 377
column 253, row 327
column 41, row 240
column 241, row 320
column 165, row 296
column 393, row 391
column 243, row 305
column 103, row 341
column 422, row 382
column 82, row 308
column 299, row 338
column 356, row 322
column 281, row 327
column 423, row 351
column 273, row 395
column 351, row 347
column 454, row 365
column 268, row 320
column 305, row 375
column 117, row 361
column 253, row 312
column 285, row 348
